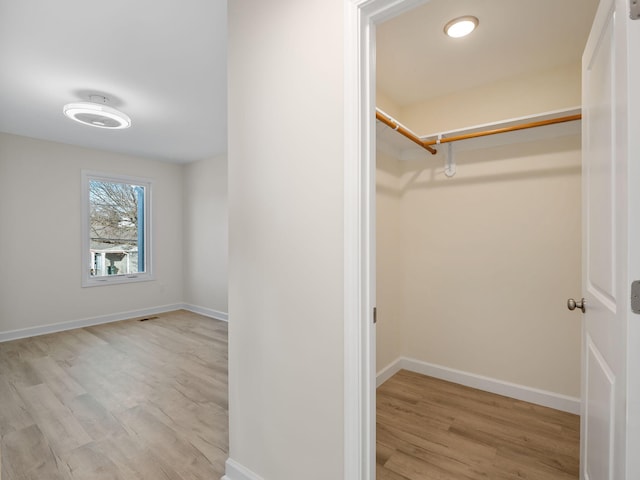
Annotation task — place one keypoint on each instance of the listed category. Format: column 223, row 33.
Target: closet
column 478, row 249
column 478, row 211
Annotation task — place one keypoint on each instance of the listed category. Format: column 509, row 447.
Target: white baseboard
column 500, row 387
column 85, row 322
column 235, row 471
column 207, row 312
column 389, row 371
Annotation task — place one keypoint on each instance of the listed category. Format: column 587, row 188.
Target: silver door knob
column 572, row 304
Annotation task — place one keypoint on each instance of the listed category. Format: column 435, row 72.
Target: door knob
column 572, row 304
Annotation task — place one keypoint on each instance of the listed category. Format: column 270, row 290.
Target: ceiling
column 162, row 62
column 416, row 61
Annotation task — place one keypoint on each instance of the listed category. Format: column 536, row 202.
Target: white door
column 610, row 445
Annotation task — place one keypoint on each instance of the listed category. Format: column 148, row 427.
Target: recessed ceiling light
column 461, row 26
column 96, row 114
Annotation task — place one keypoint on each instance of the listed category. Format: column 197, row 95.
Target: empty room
column 113, row 321
column 319, row 239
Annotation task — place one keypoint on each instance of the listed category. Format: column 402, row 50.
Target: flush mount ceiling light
column 97, row 114
column 461, row 26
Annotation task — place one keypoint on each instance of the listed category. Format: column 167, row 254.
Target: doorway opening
column 468, row 236
column 429, row 173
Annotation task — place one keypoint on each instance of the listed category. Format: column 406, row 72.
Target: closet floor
column 437, row 430
column 121, row 401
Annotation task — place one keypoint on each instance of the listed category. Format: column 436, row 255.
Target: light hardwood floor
column 436, row 430
column 148, row 400
column 125, row 400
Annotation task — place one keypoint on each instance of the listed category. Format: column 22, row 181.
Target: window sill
column 116, row 279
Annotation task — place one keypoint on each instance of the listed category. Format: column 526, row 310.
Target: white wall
column 286, row 264
column 389, row 261
column 385, row 103
column 205, row 234
column 545, row 91
column 40, row 234
column 489, row 258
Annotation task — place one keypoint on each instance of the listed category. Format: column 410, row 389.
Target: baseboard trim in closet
column 235, row 471
column 390, row 370
column 207, row 312
column 500, row 387
column 85, row 322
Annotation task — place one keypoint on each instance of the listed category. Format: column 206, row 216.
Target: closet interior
column 478, row 246
column 478, row 208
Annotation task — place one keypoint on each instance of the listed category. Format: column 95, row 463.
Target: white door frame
column 633, row 354
column 361, row 16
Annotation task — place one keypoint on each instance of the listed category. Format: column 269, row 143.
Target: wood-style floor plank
column 148, row 400
column 27, row 454
column 13, row 412
column 128, row 400
column 433, row 429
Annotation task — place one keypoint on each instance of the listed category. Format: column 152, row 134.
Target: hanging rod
column 402, row 130
column 512, row 128
column 426, row 144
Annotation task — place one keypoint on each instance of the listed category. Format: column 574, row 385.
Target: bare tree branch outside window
column 113, row 214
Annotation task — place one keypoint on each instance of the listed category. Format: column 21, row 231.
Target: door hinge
column 634, row 9
column 635, row 296
column 375, row 315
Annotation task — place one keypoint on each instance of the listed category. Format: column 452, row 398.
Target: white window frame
column 87, row 280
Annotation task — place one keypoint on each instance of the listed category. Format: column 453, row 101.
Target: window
column 116, row 246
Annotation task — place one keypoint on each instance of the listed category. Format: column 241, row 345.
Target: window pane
column 116, row 228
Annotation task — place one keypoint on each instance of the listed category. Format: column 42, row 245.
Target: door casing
column 361, row 17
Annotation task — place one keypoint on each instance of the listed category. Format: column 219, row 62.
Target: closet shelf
column 522, row 123
column 511, row 125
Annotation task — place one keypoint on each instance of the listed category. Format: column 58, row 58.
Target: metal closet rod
column 426, row 144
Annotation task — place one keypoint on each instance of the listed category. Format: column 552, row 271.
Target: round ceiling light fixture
column 97, row 114
column 461, row 26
